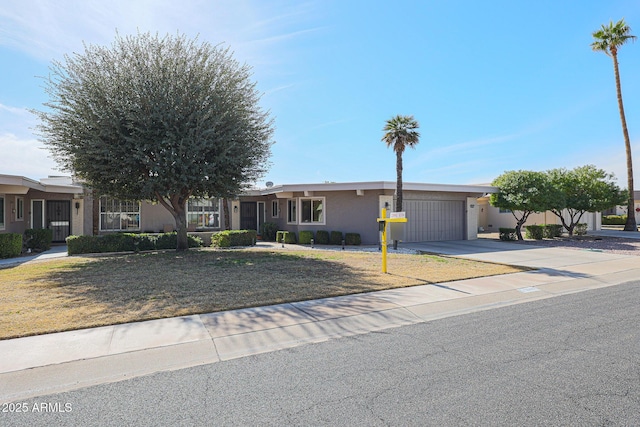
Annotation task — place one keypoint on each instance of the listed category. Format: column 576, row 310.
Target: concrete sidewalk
column 39, row 365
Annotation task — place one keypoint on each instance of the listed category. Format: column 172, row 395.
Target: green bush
column 289, row 237
column 534, row 232
column 352, row 239
column 10, row 245
column 336, row 238
column 232, row 238
column 580, row 229
column 144, row 242
column 38, row 240
column 322, row 237
column 268, row 231
column 305, row 237
column 552, row 230
column 170, row 241
column 507, row 234
column 280, row 236
column 614, row 219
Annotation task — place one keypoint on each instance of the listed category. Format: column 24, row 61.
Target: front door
column 59, row 219
column 248, row 216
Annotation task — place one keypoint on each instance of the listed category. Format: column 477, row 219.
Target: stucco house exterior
column 434, row 211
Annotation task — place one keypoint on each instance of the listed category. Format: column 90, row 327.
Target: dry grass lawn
column 80, row 292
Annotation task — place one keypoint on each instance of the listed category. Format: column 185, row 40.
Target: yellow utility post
column 383, row 221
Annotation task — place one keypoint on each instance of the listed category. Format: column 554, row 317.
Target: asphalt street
column 569, row 360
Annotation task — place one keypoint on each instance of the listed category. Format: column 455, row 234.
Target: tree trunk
column 631, row 216
column 225, row 212
column 177, row 206
column 398, row 188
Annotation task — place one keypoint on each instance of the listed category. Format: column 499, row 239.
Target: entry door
column 59, row 219
column 248, row 216
column 37, row 214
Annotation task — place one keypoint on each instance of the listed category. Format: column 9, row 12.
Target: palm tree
column 400, row 132
column 608, row 39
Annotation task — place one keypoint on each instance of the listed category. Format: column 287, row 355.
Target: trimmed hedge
column 352, row 239
column 614, row 219
column 580, row 229
column 10, row 245
column 126, row 242
column 336, row 238
column 534, row 232
column 552, row 230
column 38, row 240
column 322, row 237
column 289, row 237
column 305, row 237
column 268, row 231
column 507, row 234
column 232, row 238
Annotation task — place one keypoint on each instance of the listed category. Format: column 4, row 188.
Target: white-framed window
column 292, row 212
column 19, row 208
column 203, row 213
column 312, row 210
column 275, row 209
column 1, row 212
column 119, row 215
column 502, row 210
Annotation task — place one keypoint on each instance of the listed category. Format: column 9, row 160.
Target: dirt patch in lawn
column 80, row 292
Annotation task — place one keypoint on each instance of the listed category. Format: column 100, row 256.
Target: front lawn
column 81, row 292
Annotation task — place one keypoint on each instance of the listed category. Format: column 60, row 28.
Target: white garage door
column 434, row 220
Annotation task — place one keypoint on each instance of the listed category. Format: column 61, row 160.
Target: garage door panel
column 431, row 220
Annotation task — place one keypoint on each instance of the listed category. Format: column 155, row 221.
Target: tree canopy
column 583, row 189
column 157, row 118
column 523, row 193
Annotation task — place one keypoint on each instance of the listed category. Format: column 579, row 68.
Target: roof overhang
column 13, row 184
column 287, row 190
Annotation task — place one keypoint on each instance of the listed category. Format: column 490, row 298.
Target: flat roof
column 377, row 185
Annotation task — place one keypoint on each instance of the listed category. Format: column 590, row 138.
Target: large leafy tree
column 523, row 193
column 157, row 118
column 583, row 189
column 400, row 132
column 609, row 39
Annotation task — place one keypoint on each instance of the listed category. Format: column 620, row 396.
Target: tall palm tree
column 608, row 39
column 400, row 133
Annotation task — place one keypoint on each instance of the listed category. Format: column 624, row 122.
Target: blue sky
column 495, row 85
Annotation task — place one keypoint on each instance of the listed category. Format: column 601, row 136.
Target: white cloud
column 25, row 157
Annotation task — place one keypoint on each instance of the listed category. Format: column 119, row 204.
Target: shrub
column 305, row 237
column 10, row 245
column 268, row 231
column 534, row 232
column 336, row 238
column 170, row 241
column 280, row 236
column 38, row 240
column 322, row 237
column 231, row 238
column 614, row 219
column 352, row 239
column 552, row 230
column 144, row 242
column 289, row 237
column 507, row 234
column 580, row 229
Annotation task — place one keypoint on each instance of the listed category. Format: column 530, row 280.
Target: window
column 119, row 215
column 292, row 216
column 203, row 213
column 1, row 212
column 19, row 208
column 275, row 211
column 501, row 210
column 312, row 211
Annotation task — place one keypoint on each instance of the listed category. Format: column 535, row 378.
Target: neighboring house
column 434, row 211
column 55, row 203
column 491, row 219
column 622, row 210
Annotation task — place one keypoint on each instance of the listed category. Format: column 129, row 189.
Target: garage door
column 434, row 220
